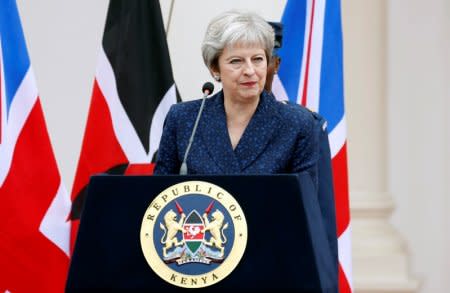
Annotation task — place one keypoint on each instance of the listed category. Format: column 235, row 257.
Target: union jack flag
column 34, row 233
column 311, row 74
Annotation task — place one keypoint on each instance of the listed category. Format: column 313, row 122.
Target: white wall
column 419, row 133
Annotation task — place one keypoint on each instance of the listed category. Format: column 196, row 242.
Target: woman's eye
column 258, row 59
column 235, row 61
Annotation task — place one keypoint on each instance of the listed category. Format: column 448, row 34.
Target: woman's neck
column 238, row 116
column 238, row 111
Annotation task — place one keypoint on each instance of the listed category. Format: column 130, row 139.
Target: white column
column 419, row 134
column 380, row 261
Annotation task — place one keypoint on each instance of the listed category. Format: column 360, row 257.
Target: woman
column 242, row 130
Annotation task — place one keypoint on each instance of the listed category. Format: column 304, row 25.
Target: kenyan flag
column 133, row 91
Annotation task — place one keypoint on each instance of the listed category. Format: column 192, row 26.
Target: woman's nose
column 249, row 68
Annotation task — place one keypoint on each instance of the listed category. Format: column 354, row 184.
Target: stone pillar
column 380, row 260
column 419, row 134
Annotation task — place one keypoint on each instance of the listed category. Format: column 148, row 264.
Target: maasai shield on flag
column 133, row 91
column 34, row 204
column 192, row 231
column 311, row 74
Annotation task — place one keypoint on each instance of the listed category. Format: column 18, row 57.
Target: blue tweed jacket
column 280, row 138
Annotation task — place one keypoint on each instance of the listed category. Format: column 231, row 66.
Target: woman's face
column 243, row 72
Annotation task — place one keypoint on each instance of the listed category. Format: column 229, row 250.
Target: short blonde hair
column 233, row 27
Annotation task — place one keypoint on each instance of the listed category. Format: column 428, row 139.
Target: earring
column 217, row 77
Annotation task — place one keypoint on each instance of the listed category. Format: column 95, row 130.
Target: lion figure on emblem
column 171, row 228
column 215, row 227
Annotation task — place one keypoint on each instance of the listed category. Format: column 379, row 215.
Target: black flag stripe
column 135, row 44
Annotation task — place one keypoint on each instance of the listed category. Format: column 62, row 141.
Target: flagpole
column 169, row 20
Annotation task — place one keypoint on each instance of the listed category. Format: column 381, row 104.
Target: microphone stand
column 183, row 168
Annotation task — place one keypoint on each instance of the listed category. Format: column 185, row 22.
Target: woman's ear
column 216, row 76
column 215, row 73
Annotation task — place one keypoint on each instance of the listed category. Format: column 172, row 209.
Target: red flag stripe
column 99, row 133
column 344, row 285
column 340, row 179
column 308, row 55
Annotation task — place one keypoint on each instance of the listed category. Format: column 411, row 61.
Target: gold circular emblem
column 193, row 234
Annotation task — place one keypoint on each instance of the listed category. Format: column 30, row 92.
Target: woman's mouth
column 249, row 83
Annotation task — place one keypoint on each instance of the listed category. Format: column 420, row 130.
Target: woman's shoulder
column 194, row 104
column 191, row 108
column 184, row 111
column 185, row 106
column 295, row 114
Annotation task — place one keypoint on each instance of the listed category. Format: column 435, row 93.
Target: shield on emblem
column 192, row 235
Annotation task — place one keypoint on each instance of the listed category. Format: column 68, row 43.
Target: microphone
column 207, row 89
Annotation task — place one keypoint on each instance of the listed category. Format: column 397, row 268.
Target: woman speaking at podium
column 242, row 129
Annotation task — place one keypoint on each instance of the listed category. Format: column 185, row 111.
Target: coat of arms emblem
column 194, row 246
column 196, row 232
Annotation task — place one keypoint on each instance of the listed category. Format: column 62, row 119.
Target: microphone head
column 207, row 88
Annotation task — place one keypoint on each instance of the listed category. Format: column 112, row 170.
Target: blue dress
column 280, row 138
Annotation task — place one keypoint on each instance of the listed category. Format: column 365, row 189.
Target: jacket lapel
column 261, row 128
column 214, row 133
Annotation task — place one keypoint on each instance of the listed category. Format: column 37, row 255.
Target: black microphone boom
column 207, row 89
